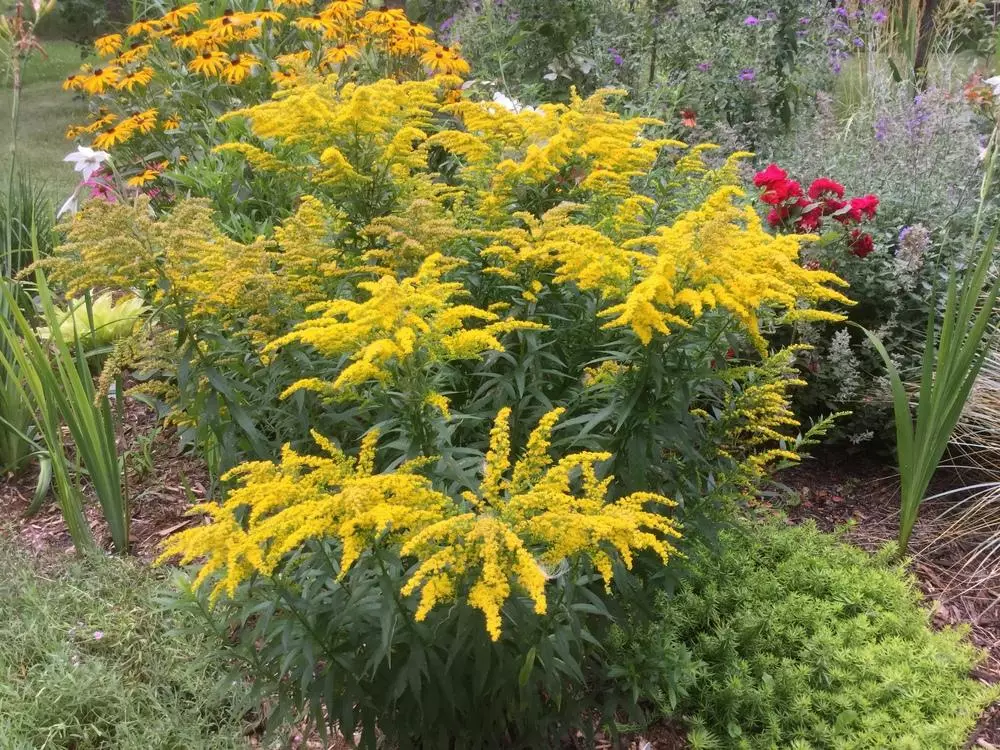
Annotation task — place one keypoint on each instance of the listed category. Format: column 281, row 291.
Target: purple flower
column 879, row 16
column 881, row 129
column 858, row 42
column 447, row 23
column 903, row 232
column 616, row 58
column 804, row 20
column 747, row 74
column 704, row 66
column 771, row 16
column 751, row 21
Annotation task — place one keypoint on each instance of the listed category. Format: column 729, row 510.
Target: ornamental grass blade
column 950, row 365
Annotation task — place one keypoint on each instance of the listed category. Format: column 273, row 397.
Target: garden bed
column 861, row 501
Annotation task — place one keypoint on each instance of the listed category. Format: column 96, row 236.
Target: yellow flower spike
column 458, row 544
column 536, row 455
column 439, row 402
column 497, row 460
column 366, row 457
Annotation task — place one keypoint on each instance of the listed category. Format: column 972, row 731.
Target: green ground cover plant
column 89, row 660
column 787, row 637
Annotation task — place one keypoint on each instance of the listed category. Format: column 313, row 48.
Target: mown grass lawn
column 45, row 112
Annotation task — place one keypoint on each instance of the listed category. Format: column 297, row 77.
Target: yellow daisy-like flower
column 144, row 121
column 238, row 67
column 108, row 45
column 180, row 13
column 343, row 10
column 140, row 78
column 136, row 51
column 114, row 134
column 73, row 83
column 284, row 78
column 291, row 3
column 145, row 26
column 340, row 53
column 381, row 21
column 193, row 39
column 209, row 63
column 101, row 78
column 143, row 178
column 293, row 59
column 316, row 22
column 172, row 122
column 166, row 29
column 442, row 60
column 259, row 16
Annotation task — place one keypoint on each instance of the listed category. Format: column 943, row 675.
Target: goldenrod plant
column 547, row 328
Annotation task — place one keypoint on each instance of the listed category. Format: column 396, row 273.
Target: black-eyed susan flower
column 144, row 26
column 143, row 178
column 171, row 122
column 108, row 45
column 72, row 82
column 284, row 77
column 291, row 3
column 381, row 21
column 179, row 13
column 137, row 78
column 315, row 22
column 209, row 63
column 136, row 51
column 101, row 78
column 238, row 67
column 114, row 134
column 343, row 10
column 340, row 53
column 193, row 39
column 143, row 121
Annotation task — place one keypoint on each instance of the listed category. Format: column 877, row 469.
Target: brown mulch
column 162, row 484
column 860, row 496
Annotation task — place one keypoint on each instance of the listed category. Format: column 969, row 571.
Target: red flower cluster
column 805, row 212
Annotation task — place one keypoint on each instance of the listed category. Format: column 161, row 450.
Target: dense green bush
column 88, row 661
column 790, row 638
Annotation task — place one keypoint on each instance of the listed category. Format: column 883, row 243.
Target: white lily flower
column 994, row 82
column 86, row 161
column 71, row 206
column 511, row 105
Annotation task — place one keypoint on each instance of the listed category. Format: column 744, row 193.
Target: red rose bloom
column 824, row 186
column 781, row 191
column 861, row 243
column 865, row 206
column 767, row 177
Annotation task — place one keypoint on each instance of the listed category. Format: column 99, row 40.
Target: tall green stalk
column 57, row 380
column 952, row 358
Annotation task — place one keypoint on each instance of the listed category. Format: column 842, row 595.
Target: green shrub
column 790, row 638
column 87, row 661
